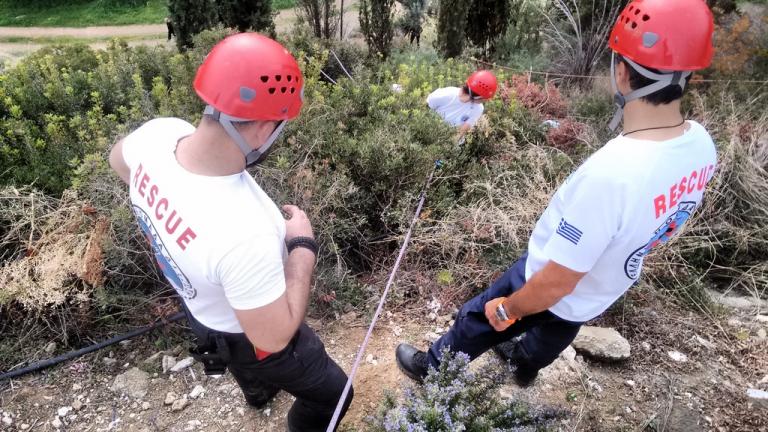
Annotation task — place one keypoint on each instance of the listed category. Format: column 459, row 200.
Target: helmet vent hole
column 288, row 77
column 646, row 17
column 271, row 90
column 293, row 90
column 637, row 11
column 634, row 25
column 264, row 78
column 278, row 78
column 283, row 89
column 631, row 7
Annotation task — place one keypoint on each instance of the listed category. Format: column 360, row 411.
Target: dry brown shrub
column 496, row 216
column 59, row 250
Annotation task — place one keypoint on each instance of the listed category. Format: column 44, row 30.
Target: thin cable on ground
column 327, row 77
column 95, row 347
column 361, row 351
column 342, row 65
column 553, row 74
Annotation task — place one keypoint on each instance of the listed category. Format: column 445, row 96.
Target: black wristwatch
column 305, row 242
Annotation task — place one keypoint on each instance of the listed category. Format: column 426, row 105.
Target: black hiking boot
column 259, row 397
column 412, row 362
column 511, row 352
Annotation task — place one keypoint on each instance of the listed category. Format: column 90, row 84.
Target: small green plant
column 453, row 398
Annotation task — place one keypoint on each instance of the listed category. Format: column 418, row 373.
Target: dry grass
column 49, row 238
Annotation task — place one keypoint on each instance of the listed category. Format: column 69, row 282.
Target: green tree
column 247, row 15
column 190, row 17
column 376, row 25
column 487, row 20
column 451, row 26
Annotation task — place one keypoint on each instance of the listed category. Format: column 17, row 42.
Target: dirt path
column 152, row 34
column 707, row 392
column 84, row 32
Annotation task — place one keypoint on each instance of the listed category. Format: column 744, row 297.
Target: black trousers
column 302, row 369
column 546, row 334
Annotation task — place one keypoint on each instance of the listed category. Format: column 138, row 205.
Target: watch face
column 501, row 313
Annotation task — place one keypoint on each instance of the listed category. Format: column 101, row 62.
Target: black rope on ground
column 34, row 367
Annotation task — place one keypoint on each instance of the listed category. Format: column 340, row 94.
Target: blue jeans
column 546, row 334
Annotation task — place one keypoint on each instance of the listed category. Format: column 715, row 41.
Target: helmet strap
column 663, row 80
column 252, row 156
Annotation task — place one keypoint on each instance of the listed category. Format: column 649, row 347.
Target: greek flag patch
column 570, row 232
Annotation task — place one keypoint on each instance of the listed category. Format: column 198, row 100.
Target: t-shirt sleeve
column 147, row 136
column 252, row 273
column 592, row 208
column 439, row 98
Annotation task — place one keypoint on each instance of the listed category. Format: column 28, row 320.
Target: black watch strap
column 305, row 242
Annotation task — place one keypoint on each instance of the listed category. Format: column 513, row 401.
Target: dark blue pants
column 546, row 334
column 302, row 369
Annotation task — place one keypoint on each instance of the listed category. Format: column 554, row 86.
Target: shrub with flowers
column 455, row 399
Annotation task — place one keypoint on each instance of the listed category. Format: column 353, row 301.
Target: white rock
column 63, row 411
column 50, row 348
column 602, row 343
column 109, row 361
column 757, row 394
column 170, row 398
column 764, row 380
column 56, row 423
column 76, row 387
column 761, row 318
column 267, row 412
column 431, row 337
column 77, row 405
column 369, row 358
column 145, row 406
column 704, row 342
column 134, row 383
column 183, row 364
column 761, row 333
column 240, row 411
column 24, row 426
column 192, row 425
column 196, row 392
column 7, row 421
column 397, row 330
column 125, row 343
column 630, row 383
column 677, row 356
column 153, row 358
column 179, row 404
column 628, row 410
column 168, row 363
column 646, row 346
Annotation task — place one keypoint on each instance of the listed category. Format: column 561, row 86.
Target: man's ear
column 622, row 77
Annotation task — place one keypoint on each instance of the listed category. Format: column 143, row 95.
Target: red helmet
column 251, row 77
column 673, row 35
column 482, row 83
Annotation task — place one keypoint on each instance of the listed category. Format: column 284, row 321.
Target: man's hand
column 493, row 320
column 298, row 224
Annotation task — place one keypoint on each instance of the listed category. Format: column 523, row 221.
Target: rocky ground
column 672, row 370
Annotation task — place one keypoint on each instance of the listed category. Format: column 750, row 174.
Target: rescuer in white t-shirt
column 629, row 197
column 242, row 271
column 461, row 107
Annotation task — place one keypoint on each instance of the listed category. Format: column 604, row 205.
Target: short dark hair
column 663, row 96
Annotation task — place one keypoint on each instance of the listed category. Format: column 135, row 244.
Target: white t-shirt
column 218, row 240
column 627, row 198
column 445, row 101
